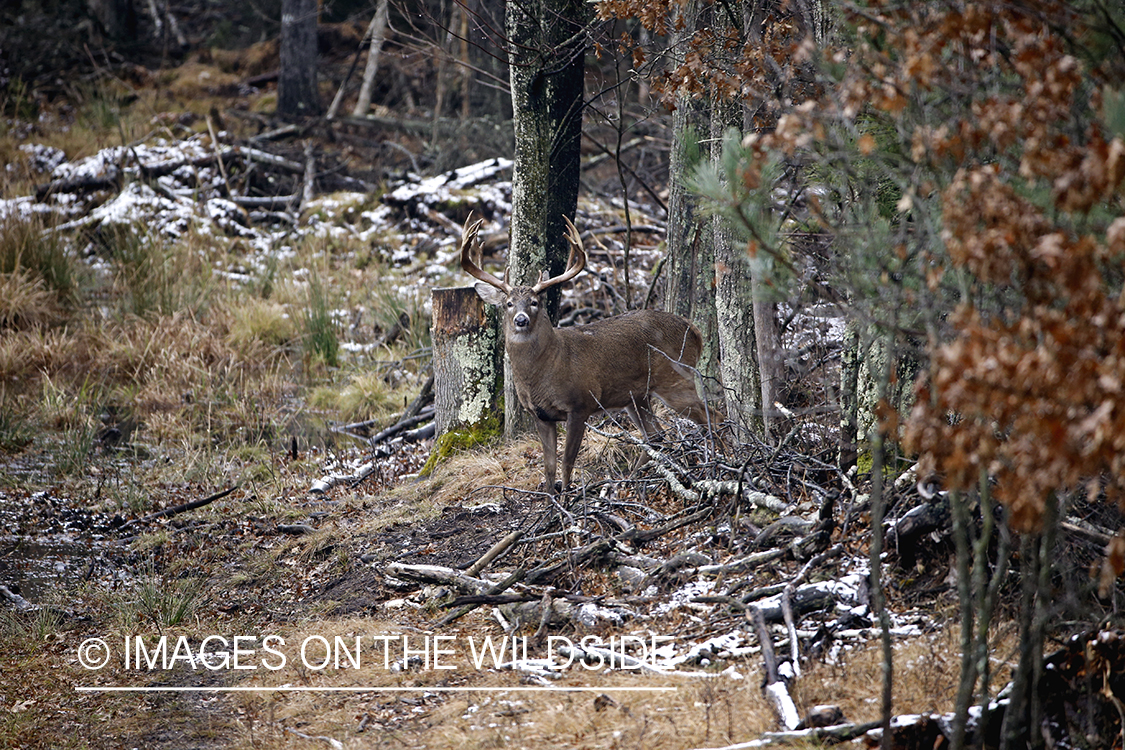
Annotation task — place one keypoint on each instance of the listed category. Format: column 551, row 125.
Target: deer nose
column 521, row 320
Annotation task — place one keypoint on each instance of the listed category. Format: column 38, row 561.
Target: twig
column 218, row 156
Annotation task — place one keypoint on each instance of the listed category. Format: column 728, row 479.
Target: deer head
column 521, row 304
column 570, row 373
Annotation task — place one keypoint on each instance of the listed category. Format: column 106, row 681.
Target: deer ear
column 489, row 293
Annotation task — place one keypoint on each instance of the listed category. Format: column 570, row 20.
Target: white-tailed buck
column 571, row 373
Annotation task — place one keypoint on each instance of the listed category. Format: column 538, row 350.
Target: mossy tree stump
column 468, row 370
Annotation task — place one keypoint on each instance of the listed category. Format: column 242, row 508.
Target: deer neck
column 533, row 351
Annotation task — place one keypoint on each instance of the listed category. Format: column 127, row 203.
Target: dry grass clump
column 29, row 250
column 365, row 395
column 256, row 323
column 26, row 302
column 480, row 474
column 194, row 79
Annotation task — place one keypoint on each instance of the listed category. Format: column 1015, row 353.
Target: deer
column 569, row 374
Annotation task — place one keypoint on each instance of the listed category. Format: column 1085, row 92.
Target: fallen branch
column 404, row 423
column 265, row 157
column 742, row 564
column 110, row 181
column 335, row 744
column 497, row 549
column 775, row 688
column 568, row 559
column 264, row 201
column 176, row 510
column 295, row 529
column 415, row 414
column 499, row 588
column 828, row 735
column 493, row 600
column 322, row 485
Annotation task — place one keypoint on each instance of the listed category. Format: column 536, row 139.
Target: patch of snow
column 682, row 597
column 441, row 189
column 43, row 158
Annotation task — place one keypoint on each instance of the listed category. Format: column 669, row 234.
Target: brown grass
column 26, row 302
column 467, row 707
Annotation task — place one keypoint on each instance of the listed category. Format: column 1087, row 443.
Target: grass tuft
column 29, row 249
column 26, row 302
column 154, row 276
column 366, row 396
column 321, row 342
column 257, row 321
column 15, row 430
column 161, row 601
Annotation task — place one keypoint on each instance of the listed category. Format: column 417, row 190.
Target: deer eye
column 535, row 303
column 511, row 304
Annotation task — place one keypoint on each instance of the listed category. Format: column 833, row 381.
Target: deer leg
column 549, row 438
column 575, row 429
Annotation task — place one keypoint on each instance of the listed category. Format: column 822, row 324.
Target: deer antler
column 574, row 265
column 468, row 240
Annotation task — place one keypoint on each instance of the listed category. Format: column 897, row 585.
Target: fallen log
column 438, row 574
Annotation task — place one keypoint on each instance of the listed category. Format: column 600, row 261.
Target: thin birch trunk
column 377, row 32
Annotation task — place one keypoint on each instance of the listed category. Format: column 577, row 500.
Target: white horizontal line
column 368, row 689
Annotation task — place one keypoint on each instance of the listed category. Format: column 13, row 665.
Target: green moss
column 893, row 465
column 456, row 441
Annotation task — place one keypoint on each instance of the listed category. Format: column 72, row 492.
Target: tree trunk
column 441, row 59
column 690, row 269
column 377, row 33
column 297, row 95
column 546, row 55
column 849, row 398
column 466, row 71
column 735, row 306
column 466, row 337
column 771, row 363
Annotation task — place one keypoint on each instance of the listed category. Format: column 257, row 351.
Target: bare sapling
column 569, row 374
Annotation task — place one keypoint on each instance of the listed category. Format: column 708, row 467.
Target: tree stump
column 467, row 360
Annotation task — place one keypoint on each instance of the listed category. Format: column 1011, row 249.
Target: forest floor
column 197, row 348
